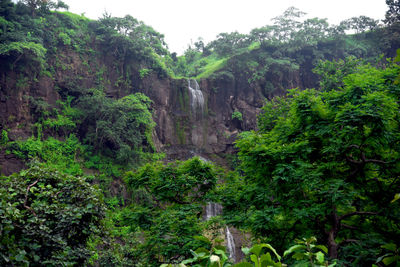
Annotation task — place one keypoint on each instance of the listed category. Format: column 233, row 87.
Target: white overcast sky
column 183, row 21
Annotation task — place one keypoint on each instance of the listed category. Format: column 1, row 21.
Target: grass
column 212, row 67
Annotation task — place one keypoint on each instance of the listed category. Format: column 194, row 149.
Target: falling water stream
column 215, row 209
column 196, row 96
column 212, row 209
column 230, row 244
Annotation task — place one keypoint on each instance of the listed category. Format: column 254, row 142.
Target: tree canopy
column 327, row 162
column 47, row 217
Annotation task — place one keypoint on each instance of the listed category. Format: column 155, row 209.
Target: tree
column 312, row 30
column 393, row 13
column 263, row 34
column 180, row 182
column 287, row 23
column 118, row 128
column 168, row 213
column 227, row 43
column 43, row 5
column 331, row 73
column 18, row 50
column 360, row 24
column 328, row 164
column 47, row 217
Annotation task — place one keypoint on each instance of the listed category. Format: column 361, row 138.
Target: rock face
column 191, row 121
column 192, row 117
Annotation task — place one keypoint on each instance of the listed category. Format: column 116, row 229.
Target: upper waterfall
column 212, row 209
column 196, row 97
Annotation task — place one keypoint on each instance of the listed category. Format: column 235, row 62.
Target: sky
column 183, row 21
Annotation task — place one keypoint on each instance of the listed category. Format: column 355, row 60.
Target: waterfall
column 230, row 245
column 215, row 209
column 212, row 209
column 196, row 96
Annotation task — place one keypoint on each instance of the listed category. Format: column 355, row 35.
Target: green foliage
column 118, row 128
column 4, row 137
column 308, row 254
column 181, row 183
column 332, row 72
column 168, row 204
column 262, row 259
column 47, row 217
column 66, row 40
column 327, row 159
column 132, row 40
column 65, row 121
column 237, row 115
column 212, row 67
column 29, row 50
column 60, row 154
column 202, row 257
column 392, row 257
column 392, row 14
column 144, row 73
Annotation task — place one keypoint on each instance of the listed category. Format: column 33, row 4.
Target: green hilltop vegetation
column 317, row 184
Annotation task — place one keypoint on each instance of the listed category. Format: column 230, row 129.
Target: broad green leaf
column 266, row 257
column 390, row 260
column 396, row 197
column 298, row 256
column 221, row 253
column 322, row 247
column 266, row 260
column 292, row 249
column 246, row 251
column 273, row 250
column 256, row 249
column 390, row 246
column 381, row 257
column 189, row 260
column 202, row 250
column 254, row 259
column 320, row 257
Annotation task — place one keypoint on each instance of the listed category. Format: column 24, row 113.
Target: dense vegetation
column 316, row 185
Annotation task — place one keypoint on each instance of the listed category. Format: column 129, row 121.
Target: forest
column 280, row 147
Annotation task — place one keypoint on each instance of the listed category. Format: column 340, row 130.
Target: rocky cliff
column 181, row 129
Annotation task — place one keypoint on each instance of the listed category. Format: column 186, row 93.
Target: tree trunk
column 332, row 245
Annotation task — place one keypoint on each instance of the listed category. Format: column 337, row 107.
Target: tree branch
column 348, row 226
column 375, row 161
column 353, row 160
column 357, row 213
column 26, row 197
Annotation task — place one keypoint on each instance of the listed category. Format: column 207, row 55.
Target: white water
column 196, row 96
column 213, row 209
column 230, row 245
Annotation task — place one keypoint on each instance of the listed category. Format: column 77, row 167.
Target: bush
column 47, row 217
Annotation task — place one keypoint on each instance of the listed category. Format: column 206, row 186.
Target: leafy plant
column 303, row 167
column 47, row 217
column 4, row 137
column 308, row 253
column 237, row 115
column 261, row 259
column 393, row 257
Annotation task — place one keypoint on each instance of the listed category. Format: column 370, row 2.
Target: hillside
column 96, row 114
